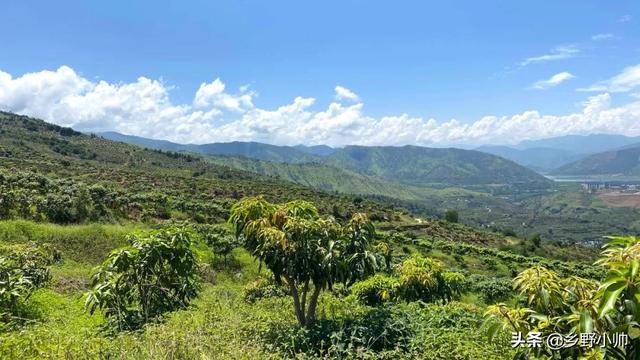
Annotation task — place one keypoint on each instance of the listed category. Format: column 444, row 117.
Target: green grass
column 81, row 243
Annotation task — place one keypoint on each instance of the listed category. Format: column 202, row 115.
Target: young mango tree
column 578, row 306
column 23, row 269
column 155, row 274
column 305, row 252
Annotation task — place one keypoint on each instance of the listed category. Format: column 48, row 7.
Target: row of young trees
column 305, row 252
column 37, row 197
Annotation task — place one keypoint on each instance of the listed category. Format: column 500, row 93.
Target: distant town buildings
column 594, row 186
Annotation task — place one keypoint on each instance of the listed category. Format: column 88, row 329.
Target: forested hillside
column 411, row 165
column 427, row 166
column 73, row 162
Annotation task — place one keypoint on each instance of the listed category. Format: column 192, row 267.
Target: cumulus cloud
column 599, row 37
column 555, row 80
column 342, row 93
column 144, row 108
column 212, row 94
column 627, row 80
column 558, row 53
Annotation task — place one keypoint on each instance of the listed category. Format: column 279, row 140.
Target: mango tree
column 573, row 305
column 305, row 252
column 155, row 274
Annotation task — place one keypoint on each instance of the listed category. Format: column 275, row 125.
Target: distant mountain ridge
column 546, row 155
column 253, row 150
column 581, row 144
column 539, row 159
column 411, row 165
column 415, row 165
column 621, row 162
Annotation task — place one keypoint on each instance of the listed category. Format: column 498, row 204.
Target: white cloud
column 558, row 53
column 144, row 108
column 555, row 80
column 599, row 37
column 342, row 93
column 212, row 94
column 624, row 19
column 627, row 80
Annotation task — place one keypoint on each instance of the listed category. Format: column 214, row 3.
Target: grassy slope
column 220, row 324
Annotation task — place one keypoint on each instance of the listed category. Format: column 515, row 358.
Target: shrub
column 451, row 216
column 157, row 273
column 262, row 288
column 376, row 289
column 424, row 279
column 509, row 232
column 23, row 269
column 219, row 238
column 381, row 329
column 491, row 290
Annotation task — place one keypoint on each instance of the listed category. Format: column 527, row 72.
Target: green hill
column 538, row 159
column 161, row 184
column 253, row 150
column 427, row 166
column 334, row 179
column 411, row 165
column 622, row 162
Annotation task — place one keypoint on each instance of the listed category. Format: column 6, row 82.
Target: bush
column 376, row 290
column 23, row 269
column 156, row 274
column 451, row 216
column 262, row 288
column 381, row 329
column 491, row 290
column 219, row 238
column 509, row 232
column 424, row 279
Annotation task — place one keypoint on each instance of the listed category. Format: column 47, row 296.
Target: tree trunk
column 313, row 303
column 296, row 302
column 303, row 301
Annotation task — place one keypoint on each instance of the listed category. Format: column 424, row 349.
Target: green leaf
column 493, row 330
column 610, row 296
column 586, row 322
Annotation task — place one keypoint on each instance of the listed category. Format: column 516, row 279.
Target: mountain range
column 553, row 155
column 382, row 179
column 411, row 165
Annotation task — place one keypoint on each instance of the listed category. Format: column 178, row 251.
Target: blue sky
column 443, row 60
